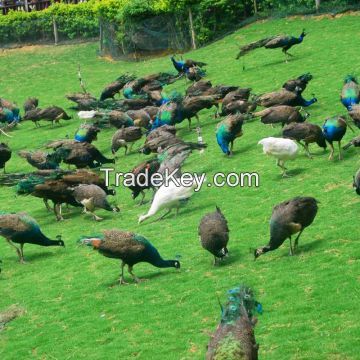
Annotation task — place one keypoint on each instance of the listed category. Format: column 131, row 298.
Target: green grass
column 310, row 300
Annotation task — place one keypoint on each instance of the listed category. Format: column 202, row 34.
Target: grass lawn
column 309, row 300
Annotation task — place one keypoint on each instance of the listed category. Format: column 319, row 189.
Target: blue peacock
column 234, row 337
column 350, row 94
column 228, row 130
column 334, row 129
column 190, row 68
column 23, row 229
column 87, row 133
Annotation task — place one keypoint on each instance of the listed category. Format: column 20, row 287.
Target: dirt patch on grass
column 10, row 314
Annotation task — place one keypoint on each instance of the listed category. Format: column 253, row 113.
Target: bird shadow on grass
column 292, row 173
column 39, row 255
column 307, row 247
column 131, row 282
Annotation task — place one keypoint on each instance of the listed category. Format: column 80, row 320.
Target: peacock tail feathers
column 27, row 186
column 229, row 348
column 240, row 299
column 254, row 45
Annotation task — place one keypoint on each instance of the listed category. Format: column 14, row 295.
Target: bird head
column 59, row 241
column 258, row 252
column 116, row 209
column 176, row 264
column 141, row 218
column 303, row 34
column 224, row 252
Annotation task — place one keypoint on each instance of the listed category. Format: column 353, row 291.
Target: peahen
column 281, row 149
column 283, row 114
column 125, row 136
column 285, row 42
column 356, row 183
column 354, row 142
column 284, row 97
column 350, row 93
column 306, row 132
column 228, row 130
column 23, row 229
column 334, row 129
column 142, row 118
column 51, row 113
column 128, row 247
column 234, row 337
column 91, row 197
column 214, row 234
column 288, row 218
column 44, row 161
column 31, row 103
column 115, row 87
column 299, row 84
column 148, row 168
column 5, row 155
column 354, row 113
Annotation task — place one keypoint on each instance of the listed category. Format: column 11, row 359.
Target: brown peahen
column 354, row 142
column 44, row 161
column 299, row 84
column 234, row 338
column 288, row 218
column 128, row 247
column 284, row 97
column 51, row 113
column 125, row 136
column 354, row 113
column 115, row 87
column 5, row 155
column 92, row 197
column 283, row 114
column 30, row 104
column 305, row 133
column 23, row 229
column 214, row 234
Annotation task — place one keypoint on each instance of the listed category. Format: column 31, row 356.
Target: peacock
column 7, row 116
column 92, row 197
column 115, row 87
column 31, row 103
column 354, row 113
column 234, row 337
column 12, row 111
column 214, row 234
column 283, row 114
column 190, row 68
column 128, row 247
column 354, row 142
column 356, row 183
column 148, row 168
column 125, row 136
column 334, row 129
column 5, row 155
column 86, row 133
column 51, row 113
column 299, row 84
column 285, row 42
column 228, row 130
column 22, row 229
column 168, row 196
column 45, row 161
column 350, row 93
column 284, row 97
column 306, row 132
column 281, row 149
column 288, row 218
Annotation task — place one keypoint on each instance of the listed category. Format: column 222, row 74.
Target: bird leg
column 17, row 250
column 291, row 253
column 122, row 280
column 215, row 261
column 161, row 217
column 130, row 147
column 48, row 208
column 142, row 198
column 189, row 120
column 57, row 211
column 130, row 270
column 95, row 217
column 281, row 164
column 306, row 147
column 340, row 154
column 126, row 149
column 22, row 253
column 331, row 156
column 297, row 239
column 231, row 147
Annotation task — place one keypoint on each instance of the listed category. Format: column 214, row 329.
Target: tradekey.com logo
column 144, row 179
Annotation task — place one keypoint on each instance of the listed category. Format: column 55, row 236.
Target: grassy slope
column 310, row 300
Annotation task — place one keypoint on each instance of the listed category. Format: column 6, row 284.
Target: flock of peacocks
column 146, row 112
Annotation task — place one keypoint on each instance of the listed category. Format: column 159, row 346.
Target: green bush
column 72, row 21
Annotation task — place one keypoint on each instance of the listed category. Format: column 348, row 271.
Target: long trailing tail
column 354, row 142
column 196, row 146
column 27, row 186
column 252, row 46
